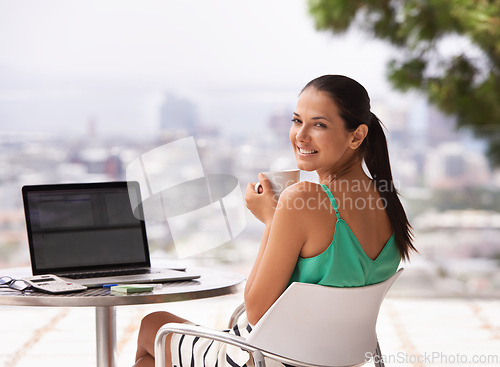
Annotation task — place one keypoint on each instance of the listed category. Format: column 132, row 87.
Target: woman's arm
column 255, row 267
column 284, row 235
column 262, row 206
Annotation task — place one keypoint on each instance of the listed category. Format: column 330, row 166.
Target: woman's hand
column 262, row 205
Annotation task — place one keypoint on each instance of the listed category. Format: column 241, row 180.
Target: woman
column 349, row 230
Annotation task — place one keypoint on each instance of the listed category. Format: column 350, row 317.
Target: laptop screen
column 78, row 227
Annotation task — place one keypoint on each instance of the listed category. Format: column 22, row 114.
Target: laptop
column 87, row 233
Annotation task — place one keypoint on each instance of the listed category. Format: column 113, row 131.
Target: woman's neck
column 349, row 172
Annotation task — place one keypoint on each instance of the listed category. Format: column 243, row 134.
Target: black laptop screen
column 84, row 226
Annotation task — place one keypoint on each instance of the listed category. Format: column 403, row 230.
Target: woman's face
column 318, row 135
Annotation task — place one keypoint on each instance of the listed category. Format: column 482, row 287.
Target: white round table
column 212, row 283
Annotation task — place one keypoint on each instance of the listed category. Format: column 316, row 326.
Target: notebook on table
column 87, row 233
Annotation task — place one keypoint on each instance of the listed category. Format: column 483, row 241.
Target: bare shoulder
column 302, row 189
column 304, row 197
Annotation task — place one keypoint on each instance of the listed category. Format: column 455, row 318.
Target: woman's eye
column 319, row 124
column 296, row 121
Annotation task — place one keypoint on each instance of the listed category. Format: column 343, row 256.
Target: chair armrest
column 224, row 337
column 194, row 330
column 236, row 315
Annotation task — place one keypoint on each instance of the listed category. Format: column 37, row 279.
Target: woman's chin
column 305, row 167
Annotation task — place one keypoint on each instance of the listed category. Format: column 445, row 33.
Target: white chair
column 309, row 325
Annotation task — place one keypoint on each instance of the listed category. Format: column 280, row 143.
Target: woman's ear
column 359, row 136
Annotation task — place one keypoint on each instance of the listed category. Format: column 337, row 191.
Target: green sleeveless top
column 344, row 263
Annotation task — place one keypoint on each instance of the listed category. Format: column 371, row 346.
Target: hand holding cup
column 262, row 198
column 279, row 180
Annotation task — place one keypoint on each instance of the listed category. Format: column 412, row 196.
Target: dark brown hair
column 353, row 103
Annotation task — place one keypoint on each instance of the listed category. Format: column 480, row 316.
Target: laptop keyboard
column 107, row 273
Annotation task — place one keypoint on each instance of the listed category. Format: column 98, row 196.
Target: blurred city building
column 279, row 124
column 178, row 114
column 453, row 166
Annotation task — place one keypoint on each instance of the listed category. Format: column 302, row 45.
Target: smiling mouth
column 306, row 151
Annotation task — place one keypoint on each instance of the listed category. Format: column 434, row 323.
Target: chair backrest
column 323, row 325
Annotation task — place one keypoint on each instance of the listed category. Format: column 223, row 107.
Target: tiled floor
column 412, row 332
column 36, row 336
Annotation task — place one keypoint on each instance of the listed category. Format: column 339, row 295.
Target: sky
column 63, row 63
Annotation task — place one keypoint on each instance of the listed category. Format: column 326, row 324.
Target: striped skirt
column 191, row 351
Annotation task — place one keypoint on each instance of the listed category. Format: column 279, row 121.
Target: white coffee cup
column 280, row 180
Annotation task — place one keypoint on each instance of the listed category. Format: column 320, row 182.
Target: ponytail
column 376, row 158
